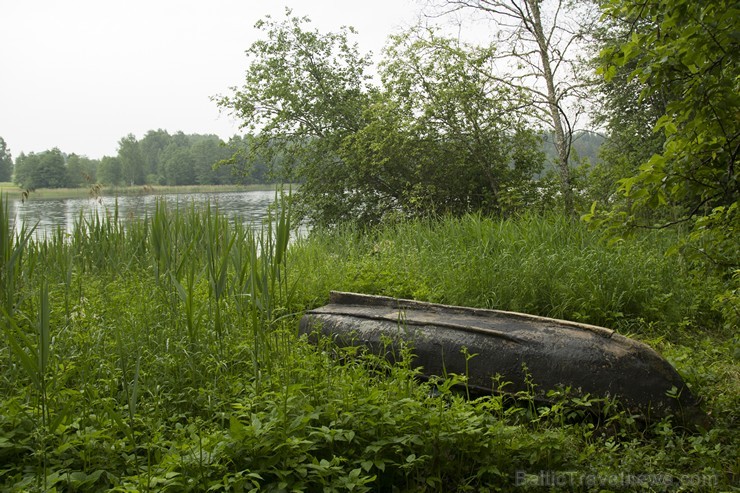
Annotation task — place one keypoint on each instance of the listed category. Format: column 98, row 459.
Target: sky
column 81, row 74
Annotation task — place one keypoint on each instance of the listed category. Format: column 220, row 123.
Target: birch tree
column 540, row 40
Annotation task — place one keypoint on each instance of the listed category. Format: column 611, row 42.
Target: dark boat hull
column 554, row 353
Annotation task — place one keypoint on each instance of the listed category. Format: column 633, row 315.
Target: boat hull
column 509, row 347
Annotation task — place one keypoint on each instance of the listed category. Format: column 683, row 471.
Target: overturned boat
column 514, row 346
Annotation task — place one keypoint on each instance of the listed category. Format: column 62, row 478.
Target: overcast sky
column 81, row 74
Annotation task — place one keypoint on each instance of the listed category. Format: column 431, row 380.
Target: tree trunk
column 562, row 140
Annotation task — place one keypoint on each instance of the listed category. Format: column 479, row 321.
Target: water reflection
column 249, row 207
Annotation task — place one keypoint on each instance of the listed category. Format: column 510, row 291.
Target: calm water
column 249, row 207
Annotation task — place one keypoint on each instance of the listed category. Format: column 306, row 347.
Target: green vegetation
column 670, row 77
column 163, row 356
column 6, row 162
column 158, row 159
column 436, row 137
column 688, row 59
column 541, row 265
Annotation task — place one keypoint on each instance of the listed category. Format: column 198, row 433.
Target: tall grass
column 14, row 267
column 548, row 266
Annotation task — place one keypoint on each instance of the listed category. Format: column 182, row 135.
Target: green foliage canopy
column 692, row 46
column 132, row 161
column 304, row 92
column 160, row 158
column 451, row 139
column 438, row 136
column 44, row 170
column 6, row 162
column 109, row 171
column 81, row 171
column 628, row 111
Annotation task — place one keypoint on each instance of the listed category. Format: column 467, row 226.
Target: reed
column 219, row 240
column 33, row 356
column 13, row 265
column 161, row 242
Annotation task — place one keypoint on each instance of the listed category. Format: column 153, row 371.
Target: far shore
column 12, row 191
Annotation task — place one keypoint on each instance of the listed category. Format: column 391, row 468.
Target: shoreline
column 12, row 191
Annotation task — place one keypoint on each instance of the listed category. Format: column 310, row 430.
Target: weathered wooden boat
column 555, row 353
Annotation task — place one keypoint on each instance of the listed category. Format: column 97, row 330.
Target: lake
column 250, row 207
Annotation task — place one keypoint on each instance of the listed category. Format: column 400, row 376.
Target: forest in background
column 158, row 158
column 161, row 158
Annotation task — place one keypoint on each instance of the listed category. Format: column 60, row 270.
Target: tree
column 175, row 163
column 248, row 162
column 442, row 137
column 133, row 167
column 22, row 170
column 206, row 151
column 81, row 171
column 151, row 147
column 178, row 166
column 110, row 171
column 304, row 92
column 437, row 137
column 43, row 170
column 691, row 48
column 627, row 110
column 6, row 162
column 540, row 38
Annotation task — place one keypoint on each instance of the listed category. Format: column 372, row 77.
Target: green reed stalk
column 256, row 306
column 129, row 383
column 161, row 241
column 266, row 281
column 219, row 242
column 44, row 349
column 279, row 262
column 188, row 298
column 12, row 266
column 59, row 258
column 163, row 252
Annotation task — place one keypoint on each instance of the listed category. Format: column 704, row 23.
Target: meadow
column 163, row 355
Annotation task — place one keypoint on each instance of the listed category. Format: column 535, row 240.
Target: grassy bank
column 164, row 357
column 547, row 266
column 14, row 192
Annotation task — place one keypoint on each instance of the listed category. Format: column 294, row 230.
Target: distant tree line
column 179, row 159
column 159, row 158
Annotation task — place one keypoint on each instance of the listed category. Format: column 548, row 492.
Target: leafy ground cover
column 163, row 356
